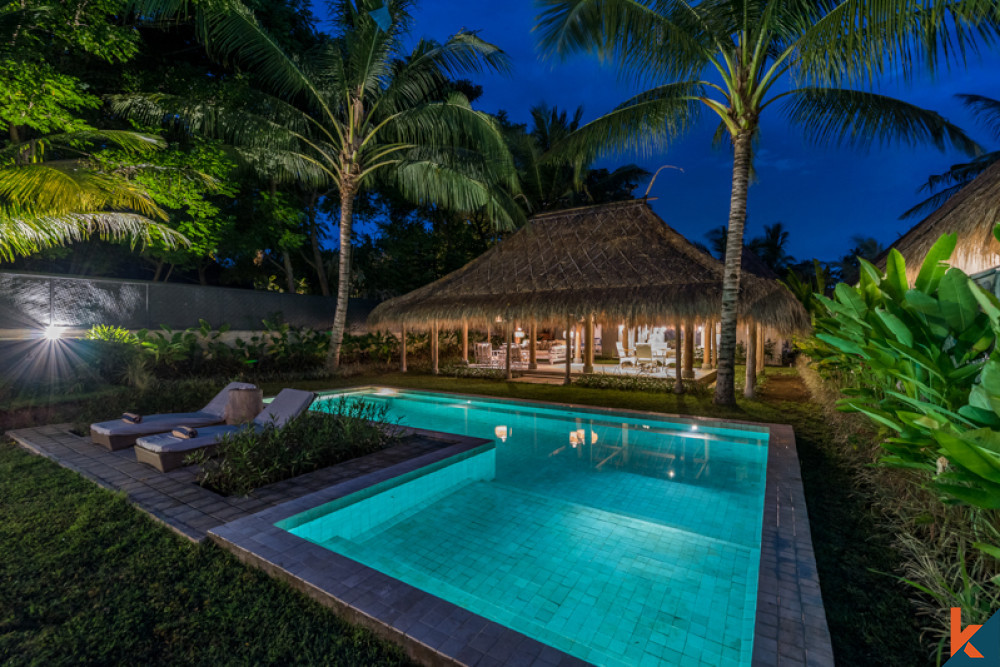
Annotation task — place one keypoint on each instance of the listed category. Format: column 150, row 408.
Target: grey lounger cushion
column 117, row 434
column 164, row 451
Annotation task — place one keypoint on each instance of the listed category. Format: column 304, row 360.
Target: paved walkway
column 176, row 500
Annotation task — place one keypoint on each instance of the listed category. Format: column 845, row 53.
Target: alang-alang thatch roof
column 619, row 261
column 972, row 212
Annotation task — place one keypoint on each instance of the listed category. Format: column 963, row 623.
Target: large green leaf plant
column 921, row 362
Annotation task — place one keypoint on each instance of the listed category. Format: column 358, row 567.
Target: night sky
column 823, row 195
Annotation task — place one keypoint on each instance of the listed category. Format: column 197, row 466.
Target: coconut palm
column 366, row 112
column 943, row 186
column 770, row 247
column 568, row 180
column 737, row 58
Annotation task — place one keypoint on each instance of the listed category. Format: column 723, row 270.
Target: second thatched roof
column 619, row 261
column 972, row 213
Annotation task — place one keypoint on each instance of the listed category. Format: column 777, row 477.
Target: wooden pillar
column 689, row 350
column 577, row 340
column 715, row 344
column 569, row 351
column 533, row 346
column 588, row 337
column 678, row 358
column 706, row 356
column 434, row 348
column 465, row 341
column 508, row 333
column 402, row 349
column 751, row 374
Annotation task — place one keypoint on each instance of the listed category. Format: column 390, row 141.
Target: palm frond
column 932, row 203
column 861, row 119
column 861, row 41
column 23, row 234
column 646, row 122
column 656, row 40
column 42, row 190
column 986, row 110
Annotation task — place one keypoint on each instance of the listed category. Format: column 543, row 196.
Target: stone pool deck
column 790, row 628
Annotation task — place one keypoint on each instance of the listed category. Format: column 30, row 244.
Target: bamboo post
column 465, row 341
column 689, row 350
column 679, row 358
column 402, row 349
column 434, row 348
column 588, row 337
column 751, row 374
column 533, row 346
column 569, row 355
column 577, row 344
column 242, row 405
column 508, row 326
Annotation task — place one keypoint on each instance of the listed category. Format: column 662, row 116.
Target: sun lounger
column 121, row 433
column 168, row 451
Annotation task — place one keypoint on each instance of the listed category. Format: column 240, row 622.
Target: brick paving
column 176, row 500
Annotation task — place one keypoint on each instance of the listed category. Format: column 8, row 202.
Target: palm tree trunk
column 725, row 388
column 286, row 260
column 343, row 278
column 679, row 358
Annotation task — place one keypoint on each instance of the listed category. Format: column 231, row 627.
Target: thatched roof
column 617, row 260
column 972, row 212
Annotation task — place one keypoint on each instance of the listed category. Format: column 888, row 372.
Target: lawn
column 89, row 579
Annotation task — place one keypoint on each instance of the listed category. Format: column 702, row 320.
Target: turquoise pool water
column 621, row 540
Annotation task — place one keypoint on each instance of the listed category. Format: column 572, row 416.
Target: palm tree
column 862, row 247
column 568, row 180
column 770, row 247
column 366, row 112
column 736, row 59
column 943, row 186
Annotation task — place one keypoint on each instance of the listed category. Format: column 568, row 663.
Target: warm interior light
column 502, row 433
column 53, row 332
column 573, row 440
column 593, row 437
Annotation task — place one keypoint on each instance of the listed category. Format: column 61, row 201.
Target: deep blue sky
column 823, row 195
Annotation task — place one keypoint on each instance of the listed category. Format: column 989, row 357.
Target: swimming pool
column 615, row 537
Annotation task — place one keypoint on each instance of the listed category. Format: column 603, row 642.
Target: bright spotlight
column 53, row 332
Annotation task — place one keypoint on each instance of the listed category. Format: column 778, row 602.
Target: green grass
column 88, row 578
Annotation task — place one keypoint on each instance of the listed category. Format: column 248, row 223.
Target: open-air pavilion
column 612, row 277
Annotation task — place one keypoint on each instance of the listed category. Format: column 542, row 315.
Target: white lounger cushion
column 213, row 413
column 288, row 404
column 210, row 435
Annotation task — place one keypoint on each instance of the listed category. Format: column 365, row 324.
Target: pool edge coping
column 790, row 620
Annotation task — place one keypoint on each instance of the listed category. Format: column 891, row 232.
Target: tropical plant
column 943, row 186
column 550, row 183
column 360, row 109
column 736, row 59
column 249, row 459
column 922, row 363
column 770, row 247
column 51, row 193
column 805, row 289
